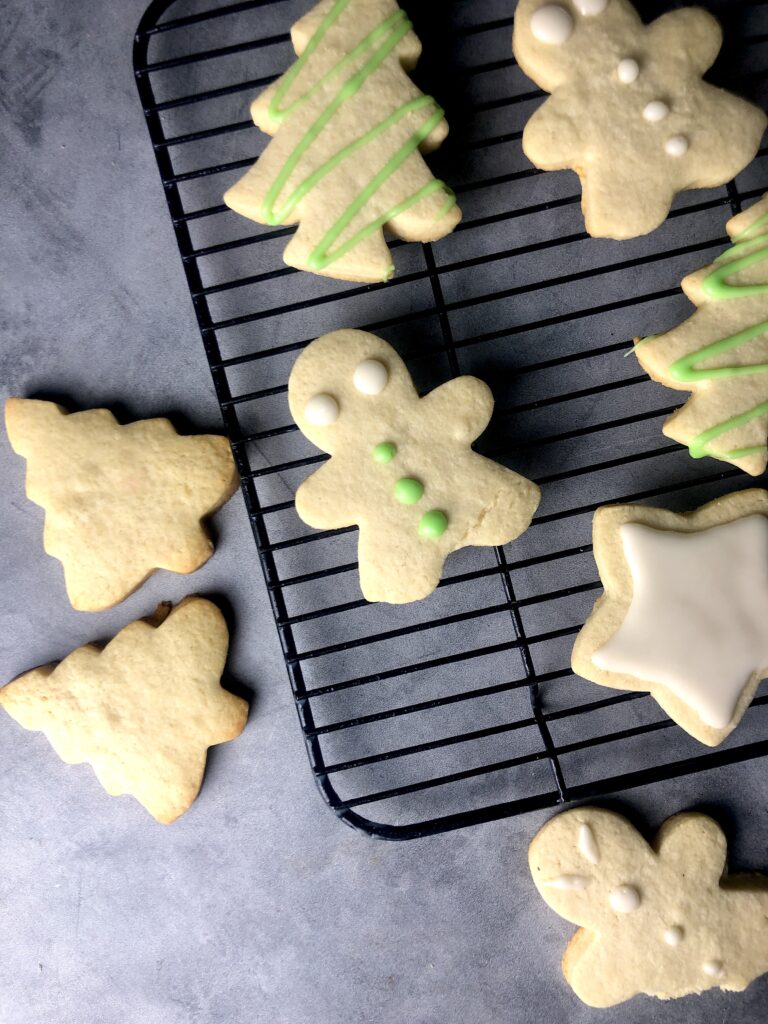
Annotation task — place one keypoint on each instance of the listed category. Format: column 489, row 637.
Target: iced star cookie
column 349, row 131
column 120, row 501
column 720, row 353
column 143, row 711
column 402, row 468
column 629, row 111
column 684, row 615
column 658, row 919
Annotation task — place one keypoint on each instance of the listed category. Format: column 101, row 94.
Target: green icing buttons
column 433, row 525
column 384, row 452
column 408, row 491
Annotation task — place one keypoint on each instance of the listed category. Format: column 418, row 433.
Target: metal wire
column 428, row 722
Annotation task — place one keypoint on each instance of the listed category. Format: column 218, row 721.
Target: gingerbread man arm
column 325, row 500
column 691, row 34
column 552, row 138
column 463, row 408
column 693, row 845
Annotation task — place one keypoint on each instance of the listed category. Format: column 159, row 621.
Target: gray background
column 257, row 905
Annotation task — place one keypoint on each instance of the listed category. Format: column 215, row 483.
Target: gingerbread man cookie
column 685, row 609
column 720, row 353
column 349, row 129
column 660, row 920
column 402, row 468
column 629, row 111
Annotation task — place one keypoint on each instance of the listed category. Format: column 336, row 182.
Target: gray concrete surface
column 257, row 907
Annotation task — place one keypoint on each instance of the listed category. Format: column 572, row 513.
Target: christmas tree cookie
column 120, row 501
column 629, row 111
column 660, row 919
column 143, row 711
column 684, row 615
column 349, row 131
column 402, row 468
column 720, row 354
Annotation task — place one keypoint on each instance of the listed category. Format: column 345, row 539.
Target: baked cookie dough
column 143, row 711
column 120, row 501
column 720, row 354
column 658, row 919
column 402, row 468
column 629, row 111
column 349, row 131
column 684, row 615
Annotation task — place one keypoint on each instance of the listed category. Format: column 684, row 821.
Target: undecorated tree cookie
column 720, row 354
column 658, row 919
column 684, row 615
column 143, row 711
column 629, row 111
column 402, row 468
column 120, row 501
column 349, row 128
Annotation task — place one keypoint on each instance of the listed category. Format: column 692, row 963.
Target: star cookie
column 143, row 711
column 685, row 609
column 120, row 501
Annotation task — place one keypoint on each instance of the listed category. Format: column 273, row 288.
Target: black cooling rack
column 461, row 708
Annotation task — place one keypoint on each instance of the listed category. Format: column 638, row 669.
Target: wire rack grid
column 461, row 708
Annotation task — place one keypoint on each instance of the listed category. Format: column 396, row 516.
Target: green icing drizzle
column 382, row 40
column 433, row 525
column 409, row 491
column 384, row 452
column 688, row 371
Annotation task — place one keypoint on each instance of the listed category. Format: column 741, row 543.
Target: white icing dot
column 590, row 7
column 713, row 968
column 371, row 377
column 628, row 71
column 588, row 845
column 322, row 410
column 568, row 882
column 677, row 145
column 656, row 111
column 625, row 899
column 674, row 936
column 552, row 24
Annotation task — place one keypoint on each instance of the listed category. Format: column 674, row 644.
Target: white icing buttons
column 322, row 410
column 371, row 377
column 674, row 936
column 588, row 847
column 590, row 7
column 656, row 111
column 552, row 24
column 676, row 146
column 713, row 968
column 568, row 882
column 628, row 71
column 625, row 899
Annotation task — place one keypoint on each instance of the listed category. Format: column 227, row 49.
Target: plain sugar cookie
column 349, row 128
column 658, row 919
column 629, row 111
column 684, row 615
column 402, row 468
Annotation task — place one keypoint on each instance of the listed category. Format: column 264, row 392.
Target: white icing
column 656, row 111
column 628, row 71
column 624, row 899
column 568, row 882
column 371, row 377
column 588, row 847
column 674, row 936
column 589, row 8
column 322, row 410
column 698, row 620
column 552, row 24
column 677, row 145
column 713, row 968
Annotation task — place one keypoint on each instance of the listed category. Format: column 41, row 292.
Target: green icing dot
column 433, row 524
column 384, row 452
column 408, row 491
